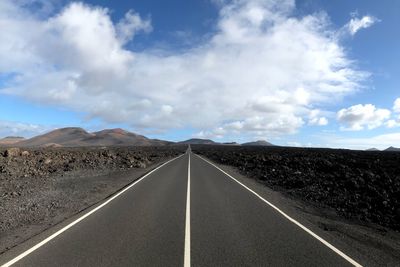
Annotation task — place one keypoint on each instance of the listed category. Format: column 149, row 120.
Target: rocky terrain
column 43, row 186
column 359, row 185
column 391, row 148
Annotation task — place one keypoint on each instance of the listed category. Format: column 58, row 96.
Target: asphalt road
column 159, row 221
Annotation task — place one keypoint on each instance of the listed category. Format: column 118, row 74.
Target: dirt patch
column 42, row 187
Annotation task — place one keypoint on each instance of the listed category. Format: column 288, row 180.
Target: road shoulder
column 372, row 245
column 100, row 188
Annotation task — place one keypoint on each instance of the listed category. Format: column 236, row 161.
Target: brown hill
column 70, row 136
column 77, row 137
column 120, row 137
column 9, row 140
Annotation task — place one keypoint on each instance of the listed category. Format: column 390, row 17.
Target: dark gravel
column 43, row 162
column 43, row 186
column 360, row 185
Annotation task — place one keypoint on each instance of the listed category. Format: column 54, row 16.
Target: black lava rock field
column 360, row 185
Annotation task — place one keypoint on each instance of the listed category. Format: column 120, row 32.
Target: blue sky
column 300, row 73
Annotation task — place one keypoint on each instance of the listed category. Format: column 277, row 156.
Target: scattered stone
column 41, row 186
column 12, row 152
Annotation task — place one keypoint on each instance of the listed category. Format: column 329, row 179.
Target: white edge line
column 323, row 241
column 187, row 224
column 35, row 247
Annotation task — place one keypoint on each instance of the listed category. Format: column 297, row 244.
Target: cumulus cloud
column 261, row 72
column 322, row 121
column 130, row 25
column 316, row 119
column 396, row 105
column 257, row 126
column 13, row 128
column 357, row 117
column 356, row 24
column 393, row 123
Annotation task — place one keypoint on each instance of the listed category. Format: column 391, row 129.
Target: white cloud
column 12, row 128
column 358, row 117
column 131, row 24
column 256, row 127
column 262, row 69
column 396, row 105
column 393, row 123
column 323, row 121
column 217, row 133
column 379, row 141
column 356, row 24
column 316, row 119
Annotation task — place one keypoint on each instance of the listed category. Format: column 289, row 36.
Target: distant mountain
column 372, row 149
column 113, row 137
column 77, row 137
column 258, row 143
column 392, row 149
column 70, row 136
column 9, row 140
column 231, row 143
column 198, row 141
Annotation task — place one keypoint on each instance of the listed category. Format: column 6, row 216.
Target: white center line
column 323, row 241
column 187, row 226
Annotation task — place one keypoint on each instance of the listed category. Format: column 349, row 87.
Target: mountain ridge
column 78, row 137
column 258, row 143
column 392, row 148
column 198, row 141
column 9, row 140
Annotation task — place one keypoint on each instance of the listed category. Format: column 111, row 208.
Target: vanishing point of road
column 186, row 212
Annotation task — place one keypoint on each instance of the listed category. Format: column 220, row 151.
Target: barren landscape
column 359, row 185
column 199, row 133
column 43, row 186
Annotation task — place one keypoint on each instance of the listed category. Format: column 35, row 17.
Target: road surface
column 187, row 212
